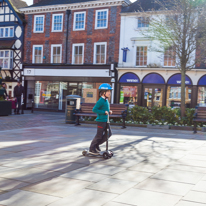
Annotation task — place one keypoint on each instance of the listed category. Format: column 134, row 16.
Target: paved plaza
column 41, row 164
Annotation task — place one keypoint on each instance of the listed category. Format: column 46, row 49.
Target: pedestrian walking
column 102, row 109
column 18, row 91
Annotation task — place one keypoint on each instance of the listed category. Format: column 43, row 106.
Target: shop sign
column 176, row 79
column 202, row 81
column 153, row 79
column 129, row 78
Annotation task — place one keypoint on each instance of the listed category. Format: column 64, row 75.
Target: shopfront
column 153, row 87
column 201, row 99
column 174, row 91
column 128, row 87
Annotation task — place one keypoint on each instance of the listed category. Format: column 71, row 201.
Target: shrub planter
column 203, row 129
column 5, row 108
column 151, row 126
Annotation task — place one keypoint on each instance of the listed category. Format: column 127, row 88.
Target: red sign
column 130, row 91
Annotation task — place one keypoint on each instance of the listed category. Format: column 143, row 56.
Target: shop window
column 143, row 22
column 56, row 53
column 6, row 59
column 39, row 24
column 201, row 96
column 169, row 57
column 37, row 54
column 174, row 96
column 79, row 21
column 141, row 56
column 128, row 95
column 6, row 32
column 78, row 54
column 100, row 53
column 101, row 19
column 46, row 95
column 57, row 22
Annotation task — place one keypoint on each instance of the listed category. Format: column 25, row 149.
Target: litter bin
column 72, row 102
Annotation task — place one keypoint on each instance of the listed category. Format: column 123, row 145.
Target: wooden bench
column 118, row 111
column 199, row 116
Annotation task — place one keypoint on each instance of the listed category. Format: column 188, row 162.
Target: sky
column 30, row 2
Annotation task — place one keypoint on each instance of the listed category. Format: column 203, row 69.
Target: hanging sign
column 125, row 49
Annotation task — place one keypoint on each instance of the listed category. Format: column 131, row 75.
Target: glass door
column 148, row 97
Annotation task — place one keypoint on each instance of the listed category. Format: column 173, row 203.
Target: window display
column 201, row 100
column 128, row 95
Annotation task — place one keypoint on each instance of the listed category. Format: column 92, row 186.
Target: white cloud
column 29, row 2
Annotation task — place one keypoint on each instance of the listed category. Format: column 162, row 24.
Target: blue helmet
column 105, row 87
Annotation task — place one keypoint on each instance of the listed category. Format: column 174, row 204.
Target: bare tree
column 179, row 27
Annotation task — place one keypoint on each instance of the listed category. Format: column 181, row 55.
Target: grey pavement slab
column 30, row 175
column 85, row 197
column 112, row 185
column 5, row 170
column 179, row 176
column 102, row 169
column 195, row 157
column 59, row 187
column 174, row 188
column 134, row 176
column 87, row 176
column 7, row 184
column 195, row 196
column 147, row 198
column 187, row 168
column 148, row 167
column 200, row 186
column 25, row 198
column 187, row 203
column 114, row 204
column 195, row 163
column 3, row 152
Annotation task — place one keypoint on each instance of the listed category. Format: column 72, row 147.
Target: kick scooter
column 105, row 154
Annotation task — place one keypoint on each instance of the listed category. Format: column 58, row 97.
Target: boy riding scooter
column 102, row 109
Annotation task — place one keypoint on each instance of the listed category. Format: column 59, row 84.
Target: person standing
column 18, row 91
column 5, row 93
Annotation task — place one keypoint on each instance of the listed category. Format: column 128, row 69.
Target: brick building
column 71, row 47
column 11, row 42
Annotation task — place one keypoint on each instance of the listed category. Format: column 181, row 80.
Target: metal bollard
column 22, row 108
column 32, row 106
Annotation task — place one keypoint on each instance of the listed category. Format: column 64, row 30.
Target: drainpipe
column 68, row 12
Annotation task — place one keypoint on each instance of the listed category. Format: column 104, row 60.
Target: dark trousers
column 101, row 135
column 19, row 104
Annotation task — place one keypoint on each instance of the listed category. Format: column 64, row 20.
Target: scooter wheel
column 105, row 155
column 84, row 153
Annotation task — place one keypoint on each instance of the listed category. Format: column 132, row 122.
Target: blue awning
column 176, row 79
column 153, row 79
column 129, row 78
column 202, row 81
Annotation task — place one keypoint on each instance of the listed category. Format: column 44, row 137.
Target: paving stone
column 87, row 176
column 113, row 204
column 102, row 169
column 30, row 175
column 195, row 157
column 187, row 168
column 174, row 188
column 187, row 203
column 5, row 170
column 200, row 186
column 147, row 167
column 195, row 196
column 59, row 187
column 178, row 176
column 134, row 176
column 25, row 198
column 112, row 185
column 147, row 198
column 85, row 197
column 6, row 184
column 195, row 163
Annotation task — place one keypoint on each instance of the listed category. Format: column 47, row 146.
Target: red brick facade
column 88, row 36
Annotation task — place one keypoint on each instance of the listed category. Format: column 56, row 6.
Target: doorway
column 153, row 96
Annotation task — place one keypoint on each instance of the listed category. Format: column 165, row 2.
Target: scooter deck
column 100, row 154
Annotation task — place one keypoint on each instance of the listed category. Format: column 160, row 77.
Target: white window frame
column 56, row 45
column 142, row 27
column 74, row 22
column 175, row 60
column 53, row 15
column 4, row 28
column 96, row 19
column 34, row 30
column 136, row 55
column 94, row 56
column 10, row 57
column 73, row 58
column 33, row 54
